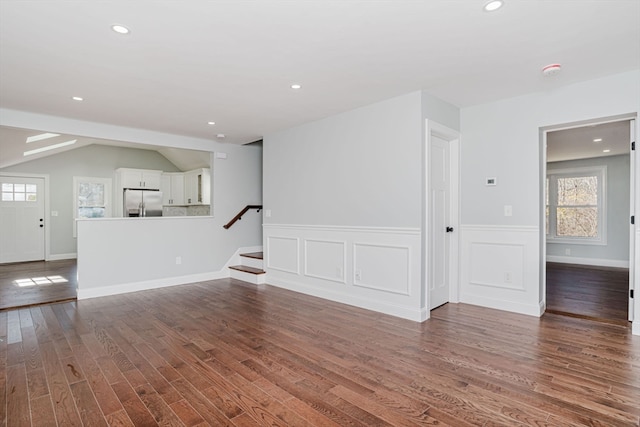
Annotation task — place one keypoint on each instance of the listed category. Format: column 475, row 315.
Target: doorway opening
column 587, row 236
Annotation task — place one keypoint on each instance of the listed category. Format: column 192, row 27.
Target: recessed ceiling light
column 295, row 86
column 120, row 29
column 211, row 123
column 597, row 140
column 493, row 5
column 606, row 151
column 77, row 98
column 220, row 135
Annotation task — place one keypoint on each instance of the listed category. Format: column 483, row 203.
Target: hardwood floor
column 229, row 353
column 30, row 283
column 599, row 293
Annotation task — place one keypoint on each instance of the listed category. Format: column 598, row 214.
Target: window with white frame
column 91, row 198
column 576, row 205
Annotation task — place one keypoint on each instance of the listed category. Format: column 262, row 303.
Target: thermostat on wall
column 491, row 181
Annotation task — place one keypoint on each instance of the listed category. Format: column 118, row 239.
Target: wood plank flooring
column 39, row 282
column 599, row 293
column 227, row 353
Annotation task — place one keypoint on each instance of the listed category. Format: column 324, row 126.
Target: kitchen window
column 91, row 198
column 576, row 205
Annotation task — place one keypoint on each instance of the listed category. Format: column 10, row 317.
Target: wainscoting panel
column 369, row 267
column 285, row 253
column 325, row 260
column 499, row 268
column 484, row 271
column 385, row 268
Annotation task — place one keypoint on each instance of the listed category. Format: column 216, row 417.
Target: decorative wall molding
column 318, row 256
column 382, row 278
column 370, row 267
column 338, row 228
column 500, row 268
column 286, row 254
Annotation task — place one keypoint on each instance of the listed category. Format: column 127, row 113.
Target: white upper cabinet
column 139, row 178
column 197, row 187
column 172, row 188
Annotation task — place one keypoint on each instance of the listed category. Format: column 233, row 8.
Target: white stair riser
column 256, row 279
column 252, row 262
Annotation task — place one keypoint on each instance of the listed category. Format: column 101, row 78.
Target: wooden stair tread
column 256, row 255
column 247, row 269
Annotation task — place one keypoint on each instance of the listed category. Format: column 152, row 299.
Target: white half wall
column 499, row 268
column 369, row 267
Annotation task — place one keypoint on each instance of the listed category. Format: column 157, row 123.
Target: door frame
column 453, row 137
column 47, row 207
column 633, row 177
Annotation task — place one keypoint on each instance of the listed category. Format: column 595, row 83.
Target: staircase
column 251, row 269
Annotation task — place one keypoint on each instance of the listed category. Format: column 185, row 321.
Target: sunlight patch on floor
column 40, row 281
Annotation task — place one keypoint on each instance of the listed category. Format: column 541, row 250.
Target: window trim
column 596, row 170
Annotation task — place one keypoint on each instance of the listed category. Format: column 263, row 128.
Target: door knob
column 449, row 229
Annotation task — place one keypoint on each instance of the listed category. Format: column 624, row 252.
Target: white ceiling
column 578, row 143
column 188, row 62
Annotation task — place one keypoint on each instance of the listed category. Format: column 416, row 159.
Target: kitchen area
column 153, row 193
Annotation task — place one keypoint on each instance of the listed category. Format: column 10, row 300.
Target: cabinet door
column 165, row 187
column 177, row 189
column 131, row 179
column 191, row 187
column 151, row 180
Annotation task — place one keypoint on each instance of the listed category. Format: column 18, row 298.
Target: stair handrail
column 242, row 212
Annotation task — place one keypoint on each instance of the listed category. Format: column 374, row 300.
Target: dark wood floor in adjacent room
column 599, row 293
column 31, row 283
column 228, row 353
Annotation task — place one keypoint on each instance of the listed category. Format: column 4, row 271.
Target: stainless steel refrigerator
column 139, row 203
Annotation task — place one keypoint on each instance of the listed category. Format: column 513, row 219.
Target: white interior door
column 440, row 221
column 22, row 219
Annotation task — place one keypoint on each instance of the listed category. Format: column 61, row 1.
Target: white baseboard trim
column 511, row 306
column 59, row 257
column 635, row 327
column 588, row 261
column 124, row 288
column 417, row 315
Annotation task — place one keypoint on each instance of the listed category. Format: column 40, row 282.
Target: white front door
column 439, row 227
column 22, row 219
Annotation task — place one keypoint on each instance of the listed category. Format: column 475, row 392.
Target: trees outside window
column 576, row 205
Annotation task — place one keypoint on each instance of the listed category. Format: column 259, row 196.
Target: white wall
column 359, row 168
column 345, row 195
column 502, row 139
